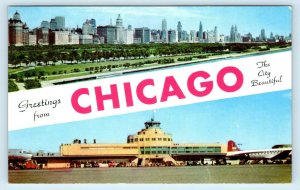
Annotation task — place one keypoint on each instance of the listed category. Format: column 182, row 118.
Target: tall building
column 60, row 22
column 143, row 34
column 216, row 34
column 108, row 33
column 200, row 33
column 173, row 36
column 247, row 38
column 155, row 35
column 93, row 23
column 271, row 36
column 85, row 39
column 57, row 23
column 164, row 31
column 73, row 38
column 222, row 38
column 192, row 36
column 179, row 30
column 87, row 28
column 184, row 36
column 59, row 37
column 94, row 26
column 53, row 24
column 232, row 35
column 120, row 30
column 211, row 36
column 128, row 35
column 263, row 35
column 42, row 36
column 32, row 39
column 119, row 21
column 18, row 31
column 45, row 24
column 235, row 37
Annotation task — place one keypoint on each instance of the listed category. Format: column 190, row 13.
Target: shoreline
column 129, row 71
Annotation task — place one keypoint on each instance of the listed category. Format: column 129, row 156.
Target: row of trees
column 96, row 53
column 40, row 74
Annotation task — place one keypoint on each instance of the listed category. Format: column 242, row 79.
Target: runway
column 185, row 174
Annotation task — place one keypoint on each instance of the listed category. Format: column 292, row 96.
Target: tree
column 20, row 59
column 12, row 86
column 108, row 67
column 74, row 56
column 32, row 57
column 52, row 56
column 12, row 59
column 85, row 55
column 62, row 57
column 32, row 83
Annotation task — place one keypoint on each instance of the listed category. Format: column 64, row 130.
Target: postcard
column 150, row 94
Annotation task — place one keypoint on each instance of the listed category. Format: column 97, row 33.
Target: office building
column 45, row 24
column 164, row 31
column 143, row 34
column 85, row 39
column 200, row 32
column 173, row 36
column 42, row 35
column 18, row 32
column 179, row 30
column 128, row 33
column 108, row 33
column 59, row 37
column 192, row 36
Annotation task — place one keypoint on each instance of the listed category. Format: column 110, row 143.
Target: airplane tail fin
column 231, row 146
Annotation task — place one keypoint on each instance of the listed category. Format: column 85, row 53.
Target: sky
column 276, row 19
column 255, row 122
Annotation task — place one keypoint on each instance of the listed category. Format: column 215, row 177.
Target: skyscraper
column 179, row 30
column 60, row 22
column 53, row 24
column 271, row 36
column 87, row 28
column 235, row 37
column 120, row 30
column 128, row 35
column 200, row 33
column 164, row 31
column 18, row 31
column 192, row 36
column 173, row 36
column 184, row 36
column 119, row 21
column 216, row 35
column 232, row 34
column 45, row 24
column 108, row 33
column 93, row 23
column 143, row 34
column 262, row 35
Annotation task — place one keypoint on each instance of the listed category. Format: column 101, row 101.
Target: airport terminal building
column 149, row 145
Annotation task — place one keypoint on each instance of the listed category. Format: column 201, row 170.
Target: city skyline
column 275, row 19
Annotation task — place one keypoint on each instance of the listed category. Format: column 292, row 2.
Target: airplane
column 19, row 155
column 278, row 152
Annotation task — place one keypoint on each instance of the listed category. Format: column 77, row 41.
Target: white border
column 3, row 96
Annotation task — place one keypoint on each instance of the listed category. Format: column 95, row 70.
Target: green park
column 31, row 66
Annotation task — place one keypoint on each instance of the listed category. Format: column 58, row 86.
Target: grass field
column 60, row 71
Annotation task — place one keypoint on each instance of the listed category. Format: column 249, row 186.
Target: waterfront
column 186, row 174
